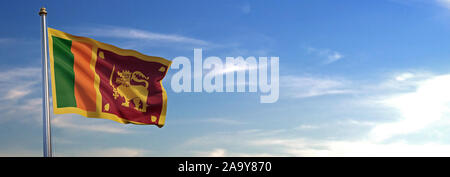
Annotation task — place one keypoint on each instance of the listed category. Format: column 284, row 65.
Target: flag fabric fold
column 99, row 80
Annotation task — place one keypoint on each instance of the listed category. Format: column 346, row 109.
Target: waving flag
column 99, row 80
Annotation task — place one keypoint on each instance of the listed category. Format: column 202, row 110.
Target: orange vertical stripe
column 85, row 94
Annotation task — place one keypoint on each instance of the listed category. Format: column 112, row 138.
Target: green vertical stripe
column 64, row 74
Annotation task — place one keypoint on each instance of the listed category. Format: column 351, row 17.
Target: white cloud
column 404, row 76
column 131, row 33
column 331, row 56
column 308, row 147
column 419, row 98
column 418, row 109
column 307, row 86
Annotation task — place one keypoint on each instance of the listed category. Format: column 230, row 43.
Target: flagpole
column 45, row 101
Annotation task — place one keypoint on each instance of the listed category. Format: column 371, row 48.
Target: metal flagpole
column 45, row 101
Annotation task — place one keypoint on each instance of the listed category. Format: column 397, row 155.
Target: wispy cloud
column 19, row 152
column 246, row 8
column 6, row 41
column 444, row 3
column 307, row 127
column 399, row 81
column 276, row 144
column 106, row 152
column 334, row 124
column 224, row 121
column 329, row 55
column 218, row 152
column 16, row 93
column 131, row 33
column 303, row 86
column 356, row 122
column 212, row 120
column 225, row 138
column 309, row 86
column 68, row 122
column 16, row 74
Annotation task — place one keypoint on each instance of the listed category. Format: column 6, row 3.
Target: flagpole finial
column 42, row 11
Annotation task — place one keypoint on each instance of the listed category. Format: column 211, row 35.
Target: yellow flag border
column 124, row 52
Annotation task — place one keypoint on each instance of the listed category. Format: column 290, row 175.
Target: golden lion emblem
column 136, row 93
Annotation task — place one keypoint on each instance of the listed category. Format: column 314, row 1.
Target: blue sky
column 357, row 78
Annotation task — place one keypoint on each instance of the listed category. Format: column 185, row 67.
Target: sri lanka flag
column 99, row 80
